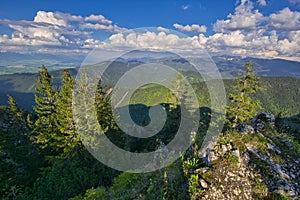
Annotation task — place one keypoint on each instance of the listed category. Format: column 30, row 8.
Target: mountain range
column 18, row 72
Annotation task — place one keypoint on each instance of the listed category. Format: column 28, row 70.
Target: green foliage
column 167, row 183
column 244, row 107
column 71, row 170
column 240, row 140
column 45, row 129
column 194, row 186
column 20, row 161
column 276, row 196
column 67, row 139
column 68, row 177
column 103, row 106
column 99, row 193
column 84, row 110
column 190, row 164
column 128, row 186
column 72, row 173
column 280, row 94
column 232, row 159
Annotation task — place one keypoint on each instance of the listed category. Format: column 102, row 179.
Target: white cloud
column 245, row 32
column 248, row 32
column 259, row 43
column 91, row 43
column 56, row 29
column 103, row 27
column 98, row 18
column 235, row 42
column 55, row 18
column 152, row 40
column 262, row 2
column 285, row 19
column 162, row 29
column 191, row 28
column 244, row 18
column 48, row 17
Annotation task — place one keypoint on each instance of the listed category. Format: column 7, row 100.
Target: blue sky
column 266, row 28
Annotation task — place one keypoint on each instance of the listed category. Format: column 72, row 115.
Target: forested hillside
column 42, row 156
column 280, row 95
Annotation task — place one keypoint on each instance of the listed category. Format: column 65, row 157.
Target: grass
column 239, row 140
column 260, row 190
column 232, row 159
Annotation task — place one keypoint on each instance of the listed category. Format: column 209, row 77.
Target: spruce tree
column 85, row 116
column 243, row 107
column 21, row 161
column 68, row 139
column 103, row 107
column 45, row 129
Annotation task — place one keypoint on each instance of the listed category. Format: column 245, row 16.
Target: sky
column 259, row 28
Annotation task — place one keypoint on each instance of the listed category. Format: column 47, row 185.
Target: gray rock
column 244, row 129
column 211, row 156
column 256, row 152
column 207, row 158
column 260, row 120
column 286, row 142
column 273, row 148
column 282, row 174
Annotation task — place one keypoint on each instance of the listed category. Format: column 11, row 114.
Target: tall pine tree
column 103, row 107
column 20, row 160
column 243, row 107
column 68, row 139
column 45, row 129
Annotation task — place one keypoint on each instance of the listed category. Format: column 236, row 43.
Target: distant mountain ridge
column 11, row 63
column 22, row 85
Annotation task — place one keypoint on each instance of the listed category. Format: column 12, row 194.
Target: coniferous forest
column 42, row 156
column 150, row 100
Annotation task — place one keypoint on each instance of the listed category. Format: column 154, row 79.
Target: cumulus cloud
column 249, row 32
column 285, row 20
column 245, row 32
column 152, row 40
column 191, row 28
column 235, row 42
column 48, row 17
column 262, row 36
column 98, row 18
column 162, row 29
column 244, row 18
column 58, row 29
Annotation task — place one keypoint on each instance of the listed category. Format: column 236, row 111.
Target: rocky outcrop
column 271, row 165
column 261, row 120
column 282, row 178
column 245, row 129
column 258, row 123
column 229, row 181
